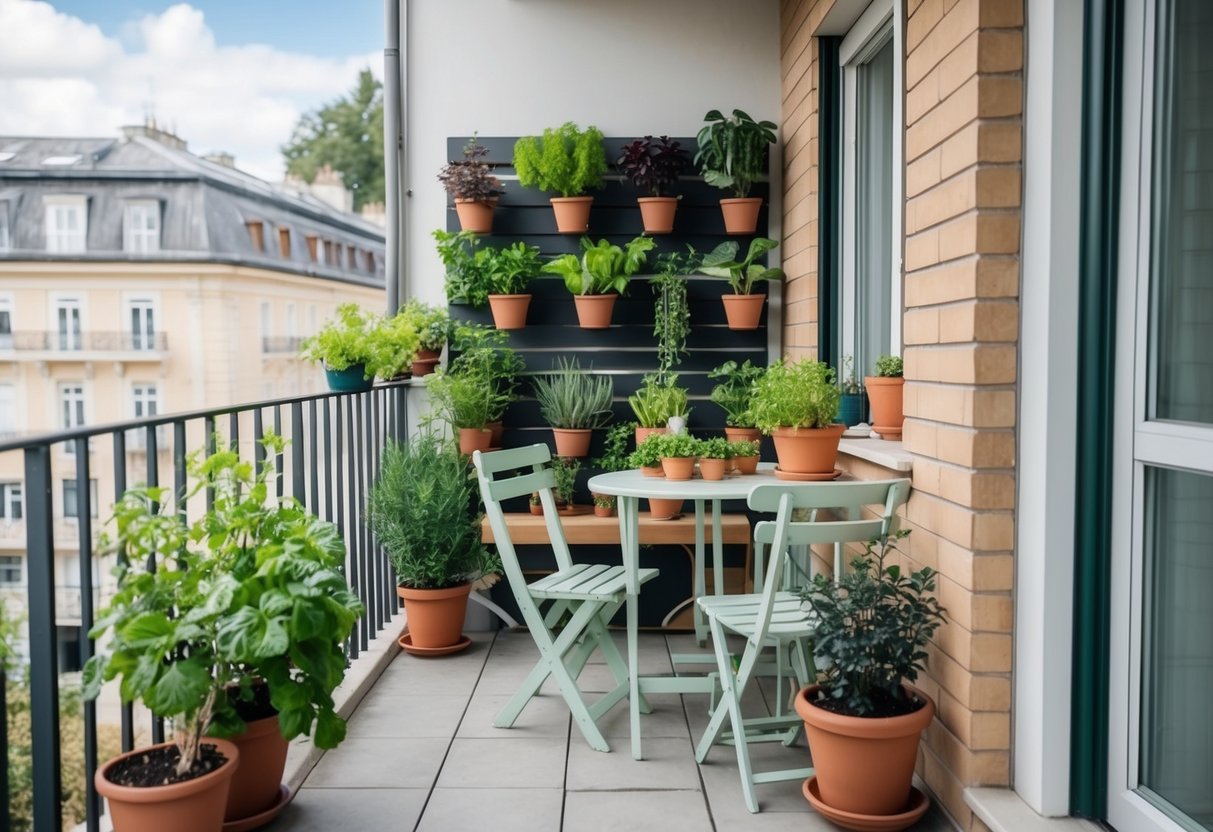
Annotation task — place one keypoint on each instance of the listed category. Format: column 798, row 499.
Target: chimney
column 149, row 130
column 221, row 157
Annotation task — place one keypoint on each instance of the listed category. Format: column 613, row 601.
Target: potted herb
column 467, row 402
column 885, row 394
column 573, row 403
column 482, row 351
column 345, row 346
column 470, row 182
column 850, row 408
column 647, row 457
column 420, row 512
column 655, row 403
column 732, row 155
column 478, row 275
column 395, row 342
column 535, row 503
column 743, row 308
column 797, row 405
column 678, row 453
column 672, row 313
column 715, row 456
column 653, row 165
column 564, row 490
column 864, row 717
column 745, row 456
column 599, row 276
column 433, row 328
column 733, row 394
column 568, row 161
column 614, row 458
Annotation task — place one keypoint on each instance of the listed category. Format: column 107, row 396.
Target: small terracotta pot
column 603, row 511
column 572, row 213
column 259, row 772
column 536, row 508
column 652, row 470
column 428, row 355
column 572, row 442
column 644, row 433
column 657, row 213
column 435, row 616
column 192, row 806
column 746, row 464
column 886, row 397
column 742, row 434
column 474, row 439
column 509, row 311
column 864, row 764
column 476, row 215
column 496, row 431
column 743, row 312
column 424, row 366
column 741, row 215
column 713, row 469
column 678, row 468
column 807, row 450
column 594, row 311
column 664, row 509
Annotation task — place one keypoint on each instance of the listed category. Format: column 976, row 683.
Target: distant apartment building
column 137, row 278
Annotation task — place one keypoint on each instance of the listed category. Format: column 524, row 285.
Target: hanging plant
column 672, row 314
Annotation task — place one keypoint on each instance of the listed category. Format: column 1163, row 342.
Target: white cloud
column 61, row 76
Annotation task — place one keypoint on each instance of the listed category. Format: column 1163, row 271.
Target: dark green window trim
column 829, row 199
column 1103, row 22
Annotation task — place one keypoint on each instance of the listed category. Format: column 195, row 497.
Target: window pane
column 69, row 499
column 874, row 207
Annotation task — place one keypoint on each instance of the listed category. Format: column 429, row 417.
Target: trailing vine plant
column 671, row 315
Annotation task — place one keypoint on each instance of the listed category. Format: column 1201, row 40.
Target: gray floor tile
column 499, row 810
column 667, row 764
column 391, row 715
column 410, row 675
column 636, row 811
column 323, row 810
column 524, row 762
column 544, row 716
column 668, row 719
column 370, row 763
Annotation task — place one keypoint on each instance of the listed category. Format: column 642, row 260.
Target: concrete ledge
column 1002, row 810
column 883, row 452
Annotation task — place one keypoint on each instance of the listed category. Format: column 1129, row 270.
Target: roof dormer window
column 66, row 224
column 256, row 233
column 62, row 161
column 284, row 243
column 141, row 226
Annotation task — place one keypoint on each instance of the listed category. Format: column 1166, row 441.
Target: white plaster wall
column 514, row 67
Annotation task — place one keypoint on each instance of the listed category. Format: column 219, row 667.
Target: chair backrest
column 848, row 499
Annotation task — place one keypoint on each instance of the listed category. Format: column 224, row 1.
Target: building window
column 141, row 227
column 66, row 224
column 71, row 406
column 11, row 503
column 67, row 323
column 12, row 570
column 313, row 247
column 71, row 503
column 143, row 324
column 146, row 399
column 352, row 260
column 6, row 324
column 256, row 233
column 5, row 237
column 267, row 329
column 292, row 327
column 370, row 262
column 284, row 243
column 8, row 410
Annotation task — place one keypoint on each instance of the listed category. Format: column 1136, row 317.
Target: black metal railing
column 330, row 463
column 67, row 341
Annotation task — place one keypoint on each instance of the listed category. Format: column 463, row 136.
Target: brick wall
column 963, row 66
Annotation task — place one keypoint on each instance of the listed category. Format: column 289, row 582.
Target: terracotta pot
column 474, row 439
column 886, row 395
column 743, row 312
column 644, row 433
column 536, row 508
column 475, row 215
column 496, row 431
column 864, row 764
column 713, row 469
column 424, row 366
column 740, row 215
column 678, row 468
column 652, row 470
column 572, row 442
column 428, row 355
column 259, row 773
column 435, row 616
column 594, row 311
column 509, row 311
column 746, row 464
column 742, row 434
column 603, row 511
column 664, row 509
column 657, row 213
column 572, row 213
column 807, row 450
column 192, row 806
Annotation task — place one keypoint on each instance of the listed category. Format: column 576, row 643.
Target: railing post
column 43, row 646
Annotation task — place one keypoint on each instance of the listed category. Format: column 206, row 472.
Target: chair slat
column 823, row 531
column 494, row 462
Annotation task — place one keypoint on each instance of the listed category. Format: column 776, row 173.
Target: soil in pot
column 807, row 450
column 678, row 468
column 594, row 311
column 657, row 213
column 139, row 802
column 740, row 214
column 572, row 442
column 572, row 213
column 886, row 395
column 435, row 616
column 509, row 311
column 475, row 215
column 743, row 312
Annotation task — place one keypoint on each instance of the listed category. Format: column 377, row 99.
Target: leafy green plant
column 850, row 386
column 676, row 445
column 735, row 390
column 602, row 267
column 253, row 589
column 471, row 177
column 395, row 341
column 889, row 366
column 647, row 453
column 508, row 270
column 657, row 400
column 565, row 471
column 482, row 351
column 572, row 399
column 474, row 272
column 464, row 400
column 421, row 512
column 733, row 150
column 345, row 341
column 604, row 501
column 652, row 165
column 565, row 160
column 743, row 447
column 431, row 323
column 742, row 274
column 799, row 395
column 615, row 448
column 873, row 626
column 672, row 314
column 716, row 448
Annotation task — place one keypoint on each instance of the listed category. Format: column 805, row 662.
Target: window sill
column 883, row 452
column 1002, row 810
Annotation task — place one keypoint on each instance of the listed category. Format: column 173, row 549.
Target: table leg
column 717, row 551
column 701, row 627
column 629, row 539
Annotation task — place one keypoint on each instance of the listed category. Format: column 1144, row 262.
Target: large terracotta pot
column 644, row 433
column 196, row 805
column 713, row 469
column 885, row 396
column 743, row 312
column 572, row 213
column 678, row 468
column 435, row 616
column 660, row 509
column 740, row 215
column 594, row 311
column 742, row 434
column 509, row 311
column 864, row 765
column 475, row 215
column 572, row 442
column 262, row 760
column 657, row 213
column 474, row 439
column 807, row 450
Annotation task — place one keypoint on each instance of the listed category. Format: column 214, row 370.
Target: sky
column 231, row 76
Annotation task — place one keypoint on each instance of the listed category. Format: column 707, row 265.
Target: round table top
column 635, row 484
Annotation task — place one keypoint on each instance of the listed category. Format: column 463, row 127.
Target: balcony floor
column 422, row 754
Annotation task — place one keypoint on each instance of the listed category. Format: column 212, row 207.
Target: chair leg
column 601, row 636
column 728, row 684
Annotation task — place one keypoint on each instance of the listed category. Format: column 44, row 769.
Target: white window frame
column 93, row 509
column 142, row 341
column 6, row 321
column 6, row 234
column 141, row 226
column 72, row 399
column 60, row 240
column 145, row 400
column 8, row 403
column 67, row 340
column 8, row 562
column 12, row 496
column 870, row 32
column 266, row 312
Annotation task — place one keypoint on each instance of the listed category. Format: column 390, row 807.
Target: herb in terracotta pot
column 433, row 328
column 574, row 403
column 467, row 402
column 715, row 457
column 657, row 400
column 885, row 394
column 395, row 342
column 565, row 160
column 653, row 165
column 732, row 155
column 614, row 458
column 745, row 456
column 797, row 403
column 743, row 308
column 470, row 183
column 733, row 393
column 484, row 353
column 599, row 276
column 565, row 472
column 647, row 457
column 678, row 452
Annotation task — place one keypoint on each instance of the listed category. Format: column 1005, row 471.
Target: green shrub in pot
column 797, row 404
column 599, row 275
column 574, row 403
column 346, row 347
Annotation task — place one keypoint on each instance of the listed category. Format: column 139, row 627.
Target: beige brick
column 1000, row 141
column 921, row 22
column 999, row 95
column 993, row 530
column 998, row 187
column 953, row 113
column 961, row 63
column 922, row 250
column 1001, row 13
column 950, row 37
column 992, row 363
column 991, row 652
column 920, row 326
column 923, row 173
column 919, row 437
column 994, row 408
column 990, row 692
column 997, row 232
column 948, row 200
column 1000, row 51
column 976, row 572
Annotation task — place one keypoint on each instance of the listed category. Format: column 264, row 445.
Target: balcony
column 85, row 346
column 279, row 344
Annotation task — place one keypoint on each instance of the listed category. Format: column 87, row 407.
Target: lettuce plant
column 602, row 267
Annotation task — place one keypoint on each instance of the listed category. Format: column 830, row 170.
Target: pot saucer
column 406, row 642
column 261, row 818
column 794, row 477
column 917, row 807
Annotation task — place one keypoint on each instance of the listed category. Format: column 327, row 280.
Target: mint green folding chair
column 590, row 593
column 776, row 618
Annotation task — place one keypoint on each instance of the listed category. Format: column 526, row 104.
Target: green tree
column 347, row 135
